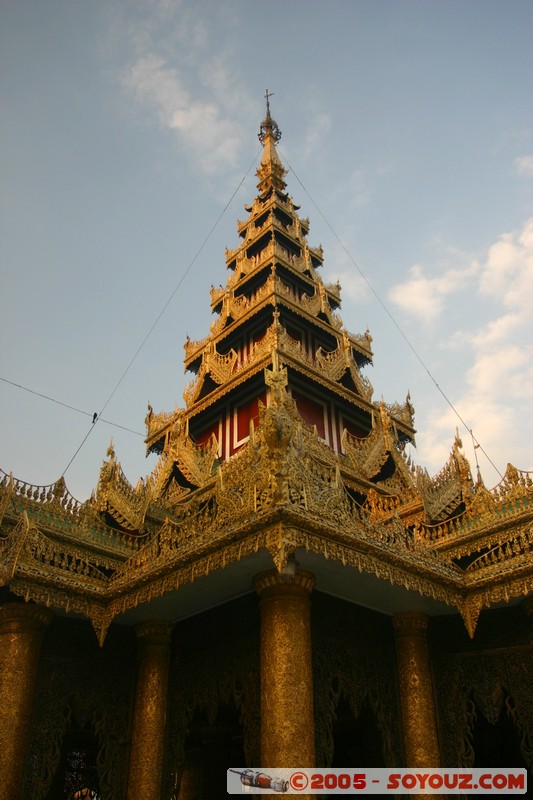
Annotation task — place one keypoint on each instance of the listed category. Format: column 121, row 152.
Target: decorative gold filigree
column 116, row 496
column 444, row 537
column 453, row 485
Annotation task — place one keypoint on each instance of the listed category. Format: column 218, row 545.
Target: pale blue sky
column 128, row 125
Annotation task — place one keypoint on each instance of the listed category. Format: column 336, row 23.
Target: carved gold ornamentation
column 116, row 496
column 369, row 508
column 351, row 662
column 92, row 691
column 284, row 468
column 490, row 682
column 453, row 485
column 22, row 629
column 149, row 720
column 287, row 719
column 203, row 681
column 416, row 693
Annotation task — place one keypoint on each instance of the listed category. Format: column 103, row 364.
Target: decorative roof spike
column 271, row 171
column 269, row 127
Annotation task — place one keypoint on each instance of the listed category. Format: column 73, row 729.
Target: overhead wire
column 163, row 309
column 98, row 418
column 476, row 443
column 67, row 405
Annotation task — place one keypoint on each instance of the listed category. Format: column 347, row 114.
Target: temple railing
column 53, row 495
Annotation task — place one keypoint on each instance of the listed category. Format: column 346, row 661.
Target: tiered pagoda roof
column 279, row 452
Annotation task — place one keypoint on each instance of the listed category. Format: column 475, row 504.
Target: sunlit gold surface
column 57, row 553
column 148, row 738
column 416, row 692
column 356, row 499
column 287, row 722
column 21, row 632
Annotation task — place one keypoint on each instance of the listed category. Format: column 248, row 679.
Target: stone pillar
column 22, row 628
column 149, row 718
column 287, row 722
column 416, row 692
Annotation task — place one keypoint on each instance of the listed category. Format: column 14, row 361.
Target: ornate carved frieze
column 492, row 684
column 453, row 485
column 346, row 669
column 490, row 517
column 445, row 537
column 92, row 693
column 285, row 489
column 116, row 496
column 204, row 683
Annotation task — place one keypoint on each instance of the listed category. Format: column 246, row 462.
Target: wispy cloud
column 211, row 136
column 524, row 165
column 354, row 287
column 182, row 82
column 496, row 359
column 424, row 296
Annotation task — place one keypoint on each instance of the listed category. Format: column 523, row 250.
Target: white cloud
column 353, row 286
column 214, row 139
column 496, row 361
column 508, row 273
column 524, row 165
column 167, row 62
column 424, row 297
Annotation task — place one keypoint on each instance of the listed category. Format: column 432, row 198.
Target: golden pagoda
column 285, row 589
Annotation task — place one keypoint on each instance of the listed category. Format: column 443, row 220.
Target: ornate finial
column 269, row 126
column 267, row 95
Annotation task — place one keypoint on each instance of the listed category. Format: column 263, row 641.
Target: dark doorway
column 210, row 749
column 498, row 744
column 77, row 774
column 356, row 742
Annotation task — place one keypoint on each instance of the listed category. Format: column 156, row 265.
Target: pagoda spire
column 271, row 171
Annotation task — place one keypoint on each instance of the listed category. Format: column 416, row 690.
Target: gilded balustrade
column 403, row 412
column 217, row 292
column 284, row 469
column 490, row 513
column 55, row 509
column 157, row 422
column 501, row 555
column 54, row 495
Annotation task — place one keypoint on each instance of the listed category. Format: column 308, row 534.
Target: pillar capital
column 154, row 632
column 272, row 583
column 20, row 617
column 410, row 623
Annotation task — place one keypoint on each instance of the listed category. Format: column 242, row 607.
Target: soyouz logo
column 407, row 781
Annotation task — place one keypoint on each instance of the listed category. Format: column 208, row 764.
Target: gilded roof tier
column 364, row 506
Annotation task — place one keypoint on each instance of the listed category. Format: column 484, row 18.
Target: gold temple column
column 416, row 692
column 287, row 722
column 22, row 628
column 149, row 718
